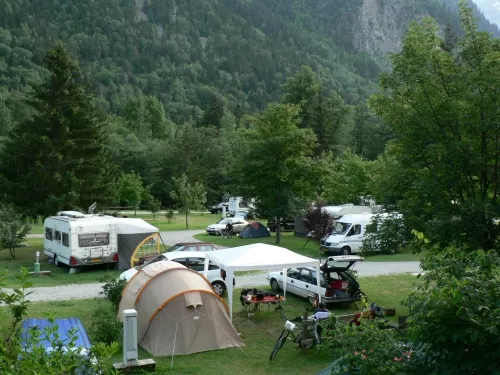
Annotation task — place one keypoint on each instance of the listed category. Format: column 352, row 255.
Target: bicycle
column 290, row 326
column 375, row 312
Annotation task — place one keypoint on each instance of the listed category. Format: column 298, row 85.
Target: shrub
column 105, row 326
column 367, row 349
column 318, row 222
column 170, row 215
column 31, row 357
column 455, row 312
column 386, row 234
column 113, row 289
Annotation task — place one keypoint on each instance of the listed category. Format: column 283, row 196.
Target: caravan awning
column 131, row 226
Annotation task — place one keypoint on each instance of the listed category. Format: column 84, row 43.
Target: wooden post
column 305, row 330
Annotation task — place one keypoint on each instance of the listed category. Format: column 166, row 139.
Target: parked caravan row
column 349, row 233
column 77, row 239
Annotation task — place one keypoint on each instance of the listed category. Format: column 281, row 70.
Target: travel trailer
column 76, row 239
column 346, row 209
column 238, row 204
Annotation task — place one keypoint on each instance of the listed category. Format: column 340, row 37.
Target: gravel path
column 86, row 291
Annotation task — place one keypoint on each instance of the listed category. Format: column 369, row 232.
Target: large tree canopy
column 277, row 169
column 443, row 105
column 57, row 160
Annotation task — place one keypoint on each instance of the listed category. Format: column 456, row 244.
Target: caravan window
column 58, row 236
column 65, row 239
column 93, row 239
column 243, row 204
column 48, row 234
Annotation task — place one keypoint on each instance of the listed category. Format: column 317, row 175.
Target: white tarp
column 257, row 256
column 130, row 226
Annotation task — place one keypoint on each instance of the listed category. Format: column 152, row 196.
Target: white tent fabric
column 129, row 226
column 257, row 256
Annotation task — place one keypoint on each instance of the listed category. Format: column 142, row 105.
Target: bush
column 318, row 222
column 386, row 234
column 105, row 326
column 113, row 289
column 368, row 350
column 32, row 357
column 455, row 312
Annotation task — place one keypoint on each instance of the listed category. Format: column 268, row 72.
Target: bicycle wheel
column 279, row 344
column 394, row 328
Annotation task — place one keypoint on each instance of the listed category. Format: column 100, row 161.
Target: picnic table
column 252, row 303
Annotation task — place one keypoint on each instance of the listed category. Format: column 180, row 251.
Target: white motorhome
column 77, row 239
column 346, row 209
column 238, row 204
column 348, row 234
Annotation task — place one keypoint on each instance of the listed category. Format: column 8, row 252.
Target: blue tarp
column 64, row 328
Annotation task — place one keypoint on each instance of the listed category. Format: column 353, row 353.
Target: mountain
column 490, row 10
column 186, row 52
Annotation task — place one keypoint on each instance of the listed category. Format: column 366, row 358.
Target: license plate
column 96, row 260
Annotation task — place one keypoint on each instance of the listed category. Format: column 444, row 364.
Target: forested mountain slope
column 185, row 51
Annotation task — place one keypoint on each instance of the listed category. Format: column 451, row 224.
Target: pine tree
column 57, row 160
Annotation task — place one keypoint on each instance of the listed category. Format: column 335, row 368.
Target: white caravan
column 348, row 234
column 238, row 204
column 346, row 209
column 77, row 239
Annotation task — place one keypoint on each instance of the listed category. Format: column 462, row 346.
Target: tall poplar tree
column 57, row 160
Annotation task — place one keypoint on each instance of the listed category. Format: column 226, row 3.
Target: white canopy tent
column 257, row 256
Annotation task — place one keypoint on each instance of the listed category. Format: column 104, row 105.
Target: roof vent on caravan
column 73, row 214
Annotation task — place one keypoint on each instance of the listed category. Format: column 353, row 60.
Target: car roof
column 173, row 255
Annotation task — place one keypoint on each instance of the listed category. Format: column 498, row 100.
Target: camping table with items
column 253, row 303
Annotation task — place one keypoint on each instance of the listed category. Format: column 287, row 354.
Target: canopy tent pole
column 318, row 280
column 229, row 283
column 284, row 282
column 205, row 269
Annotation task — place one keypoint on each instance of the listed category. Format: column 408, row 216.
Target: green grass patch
column 25, row 257
column 259, row 333
column 300, row 245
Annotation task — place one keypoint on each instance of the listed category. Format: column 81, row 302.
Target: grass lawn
column 60, row 276
column 258, row 333
column 195, row 221
column 298, row 244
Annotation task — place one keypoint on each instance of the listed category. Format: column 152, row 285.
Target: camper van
column 76, row 239
column 238, row 204
column 348, row 234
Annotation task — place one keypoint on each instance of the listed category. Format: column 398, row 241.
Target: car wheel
column 219, row 287
column 274, row 285
column 345, row 250
column 311, row 299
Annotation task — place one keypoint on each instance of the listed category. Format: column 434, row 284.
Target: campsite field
column 259, row 333
column 302, row 246
column 25, row 257
column 195, row 220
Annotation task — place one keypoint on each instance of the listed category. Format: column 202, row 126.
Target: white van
column 348, row 234
column 77, row 239
column 346, row 209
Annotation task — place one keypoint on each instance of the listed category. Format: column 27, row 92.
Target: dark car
column 287, row 224
column 217, row 208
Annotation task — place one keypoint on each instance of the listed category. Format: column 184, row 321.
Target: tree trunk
column 278, row 230
column 187, row 225
column 135, row 211
column 12, row 251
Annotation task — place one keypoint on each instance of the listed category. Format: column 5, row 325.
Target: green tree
column 154, row 205
column 278, row 168
column 190, row 196
column 130, row 190
column 442, row 108
column 344, row 179
column 14, row 228
column 58, row 159
column 214, row 113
